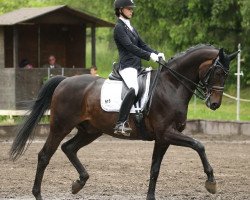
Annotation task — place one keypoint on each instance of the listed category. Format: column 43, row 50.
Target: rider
column 131, row 49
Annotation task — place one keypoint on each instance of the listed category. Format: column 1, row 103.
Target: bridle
column 203, row 88
column 210, row 72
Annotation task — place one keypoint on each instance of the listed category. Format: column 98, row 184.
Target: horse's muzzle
column 214, row 106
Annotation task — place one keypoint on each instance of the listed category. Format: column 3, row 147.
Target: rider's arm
column 121, row 37
column 144, row 46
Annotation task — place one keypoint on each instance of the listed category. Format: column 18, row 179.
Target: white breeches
column 129, row 76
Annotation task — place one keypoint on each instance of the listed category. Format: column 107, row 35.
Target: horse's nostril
column 214, row 105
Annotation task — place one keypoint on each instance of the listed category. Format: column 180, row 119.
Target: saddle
column 143, row 82
column 115, row 75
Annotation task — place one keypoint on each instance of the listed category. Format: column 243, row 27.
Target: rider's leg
column 129, row 76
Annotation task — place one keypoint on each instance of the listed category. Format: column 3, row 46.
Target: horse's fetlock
column 210, row 171
column 84, row 177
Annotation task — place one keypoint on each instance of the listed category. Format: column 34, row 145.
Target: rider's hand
column 154, row 57
column 162, row 55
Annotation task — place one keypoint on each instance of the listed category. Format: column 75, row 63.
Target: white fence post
column 238, row 74
column 48, row 73
column 63, row 71
column 195, row 103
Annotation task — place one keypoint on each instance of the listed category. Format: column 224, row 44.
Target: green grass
column 11, row 120
column 227, row 111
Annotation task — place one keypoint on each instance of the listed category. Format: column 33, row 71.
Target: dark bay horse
column 75, row 102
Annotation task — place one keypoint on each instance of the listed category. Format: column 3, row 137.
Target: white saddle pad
column 111, row 95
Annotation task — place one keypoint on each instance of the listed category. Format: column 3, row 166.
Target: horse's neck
column 188, row 66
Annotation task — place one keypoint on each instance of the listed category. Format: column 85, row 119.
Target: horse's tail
column 41, row 104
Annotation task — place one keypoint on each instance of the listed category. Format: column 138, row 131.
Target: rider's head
column 124, row 8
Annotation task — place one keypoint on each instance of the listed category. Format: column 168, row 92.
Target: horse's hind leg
column 71, row 147
column 44, row 156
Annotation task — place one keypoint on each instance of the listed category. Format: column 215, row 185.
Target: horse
column 74, row 102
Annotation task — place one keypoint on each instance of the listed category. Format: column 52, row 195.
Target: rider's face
column 128, row 12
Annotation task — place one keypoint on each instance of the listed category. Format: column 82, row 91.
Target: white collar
column 127, row 22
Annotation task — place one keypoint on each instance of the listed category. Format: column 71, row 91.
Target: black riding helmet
column 123, row 3
column 118, row 4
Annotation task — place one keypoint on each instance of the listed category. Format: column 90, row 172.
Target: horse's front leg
column 159, row 151
column 174, row 137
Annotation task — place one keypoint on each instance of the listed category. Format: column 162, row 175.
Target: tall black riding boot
column 121, row 125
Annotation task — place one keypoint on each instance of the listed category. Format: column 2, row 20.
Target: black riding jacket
column 130, row 46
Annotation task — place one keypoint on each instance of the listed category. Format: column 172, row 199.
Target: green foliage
column 106, row 56
column 173, row 26
column 170, row 26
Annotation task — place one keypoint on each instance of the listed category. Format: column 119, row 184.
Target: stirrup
column 122, row 129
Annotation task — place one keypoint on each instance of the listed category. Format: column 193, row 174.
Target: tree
column 175, row 25
column 172, row 26
column 245, row 12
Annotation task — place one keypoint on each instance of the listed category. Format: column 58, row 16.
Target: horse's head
column 213, row 75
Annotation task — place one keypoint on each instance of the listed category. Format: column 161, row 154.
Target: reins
column 147, row 106
column 202, row 84
column 199, row 87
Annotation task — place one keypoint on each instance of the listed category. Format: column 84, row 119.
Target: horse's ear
column 221, row 54
column 233, row 55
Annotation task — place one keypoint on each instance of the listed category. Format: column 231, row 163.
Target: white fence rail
column 12, row 113
column 235, row 98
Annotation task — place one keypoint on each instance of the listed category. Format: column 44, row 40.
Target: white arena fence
column 235, row 98
column 12, row 113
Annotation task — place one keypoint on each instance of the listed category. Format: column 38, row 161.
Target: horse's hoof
column 211, row 186
column 76, row 186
